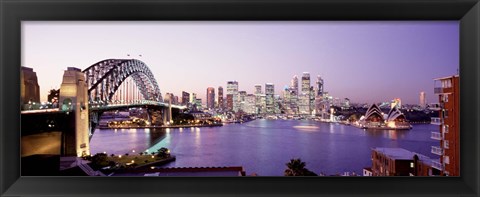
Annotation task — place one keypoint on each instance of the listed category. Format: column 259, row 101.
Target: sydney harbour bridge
column 111, row 84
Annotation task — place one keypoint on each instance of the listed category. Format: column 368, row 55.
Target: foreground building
column 447, row 89
column 400, row 162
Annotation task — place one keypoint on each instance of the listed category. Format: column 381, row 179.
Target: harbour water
column 265, row 146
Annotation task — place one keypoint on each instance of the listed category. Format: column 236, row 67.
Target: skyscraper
column 220, row 97
column 423, row 100
column 319, row 86
column 304, row 97
column 185, row 98
column 229, row 102
column 294, row 85
column 269, row 98
column 306, row 83
column 258, row 89
column 232, row 88
column 210, row 97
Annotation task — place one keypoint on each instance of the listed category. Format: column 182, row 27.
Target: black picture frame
column 12, row 12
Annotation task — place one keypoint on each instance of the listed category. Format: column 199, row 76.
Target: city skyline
column 191, row 56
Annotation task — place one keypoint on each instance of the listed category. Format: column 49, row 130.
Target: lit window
column 411, row 165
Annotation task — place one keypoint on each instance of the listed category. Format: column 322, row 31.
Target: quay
column 159, row 127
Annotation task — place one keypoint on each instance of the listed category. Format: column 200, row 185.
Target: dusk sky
column 364, row 61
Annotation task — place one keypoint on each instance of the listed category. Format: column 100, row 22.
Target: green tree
column 296, row 167
column 100, row 160
column 163, row 152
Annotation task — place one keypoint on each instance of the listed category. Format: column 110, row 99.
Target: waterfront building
column 250, row 104
column 232, row 88
column 367, row 171
column 447, row 90
column 29, row 89
column 230, row 102
column 305, row 95
column 193, row 97
column 319, row 87
column 269, row 98
column 241, row 100
column 400, row 162
column 423, row 100
column 375, row 119
column 306, row 83
column 220, row 97
column 198, row 104
column 175, row 100
column 185, row 98
column 210, row 97
column 258, row 89
column 396, row 103
column 294, row 85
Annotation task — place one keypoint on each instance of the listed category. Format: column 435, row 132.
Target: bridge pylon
column 74, row 99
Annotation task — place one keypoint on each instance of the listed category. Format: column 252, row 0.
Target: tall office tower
column 175, row 100
column 241, row 100
column 269, row 98
column 193, row 97
column 294, row 85
column 423, row 100
column 304, row 97
column 258, row 89
column 220, row 97
column 250, row 104
column 29, row 89
column 306, row 83
column 185, row 98
column 319, row 86
column 230, row 102
column 210, row 97
column 447, row 89
column 232, row 88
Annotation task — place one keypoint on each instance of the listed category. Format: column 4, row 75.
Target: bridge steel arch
column 105, row 77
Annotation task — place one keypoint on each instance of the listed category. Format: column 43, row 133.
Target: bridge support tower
column 74, row 98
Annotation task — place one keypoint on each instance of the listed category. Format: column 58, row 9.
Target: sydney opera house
column 375, row 119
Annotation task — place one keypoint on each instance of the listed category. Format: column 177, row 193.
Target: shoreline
column 159, row 127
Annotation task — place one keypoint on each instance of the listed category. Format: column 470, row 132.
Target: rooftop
column 400, row 153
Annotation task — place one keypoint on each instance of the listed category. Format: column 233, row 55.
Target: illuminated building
column 185, row 98
column 232, row 88
column 400, row 162
column 423, row 100
column 269, row 98
column 220, row 97
column 319, row 87
column 305, row 96
column 447, row 90
column 396, row 103
column 374, row 119
column 210, row 97
column 294, row 85
column 258, row 89
column 230, row 102
column 250, row 104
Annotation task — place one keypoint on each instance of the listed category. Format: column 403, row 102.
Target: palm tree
column 296, row 167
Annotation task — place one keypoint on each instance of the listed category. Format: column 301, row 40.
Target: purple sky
column 364, row 61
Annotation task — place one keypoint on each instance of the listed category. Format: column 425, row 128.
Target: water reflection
column 264, row 146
